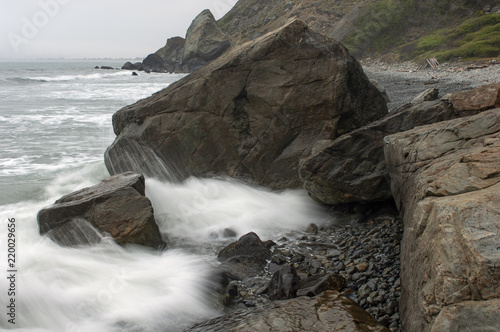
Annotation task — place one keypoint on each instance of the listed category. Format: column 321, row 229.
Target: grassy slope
column 474, row 38
column 390, row 28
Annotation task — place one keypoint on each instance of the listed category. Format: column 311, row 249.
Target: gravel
column 403, row 81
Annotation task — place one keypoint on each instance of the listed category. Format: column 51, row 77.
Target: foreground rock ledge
column 253, row 113
column 117, row 206
column 328, row 312
column 446, row 181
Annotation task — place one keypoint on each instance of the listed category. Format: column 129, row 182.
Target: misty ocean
column 55, row 122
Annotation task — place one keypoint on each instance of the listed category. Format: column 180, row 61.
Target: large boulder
column 117, row 206
column 252, row 113
column 172, row 54
column 328, row 312
column 482, row 98
column 132, row 66
column 446, row 182
column 153, row 62
column 205, row 41
column 352, row 169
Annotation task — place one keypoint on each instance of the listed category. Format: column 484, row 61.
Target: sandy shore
column 403, row 81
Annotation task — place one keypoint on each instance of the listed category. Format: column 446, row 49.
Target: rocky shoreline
column 363, row 254
column 298, row 111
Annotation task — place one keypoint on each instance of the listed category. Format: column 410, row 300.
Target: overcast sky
column 96, row 28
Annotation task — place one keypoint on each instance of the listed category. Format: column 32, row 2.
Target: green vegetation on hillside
column 475, row 38
column 383, row 26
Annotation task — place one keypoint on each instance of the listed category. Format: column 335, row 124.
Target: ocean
column 55, row 124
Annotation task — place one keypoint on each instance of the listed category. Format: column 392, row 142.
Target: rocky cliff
column 204, row 42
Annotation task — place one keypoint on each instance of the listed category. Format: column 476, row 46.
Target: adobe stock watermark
column 31, row 26
column 221, row 7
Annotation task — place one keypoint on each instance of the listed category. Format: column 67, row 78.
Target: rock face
column 132, row 66
column 252, row 113
column 352, row 168
column 446, row 182
column 172, row 54
column 117, row 206
column 204, row 41
column 153, row 62
column 328, row 312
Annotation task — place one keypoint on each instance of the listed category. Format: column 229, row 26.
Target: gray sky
column 96, row 28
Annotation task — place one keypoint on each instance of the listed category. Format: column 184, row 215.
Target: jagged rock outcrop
column 204, row 42
column 328, row 312
column 117, row 206
column 253, row 113
column 352, row 169
column 153, row 62
column 132, row 66
column 446, row 182
column 172, row 54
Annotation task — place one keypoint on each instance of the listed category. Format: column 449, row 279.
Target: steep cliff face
column 251, row 18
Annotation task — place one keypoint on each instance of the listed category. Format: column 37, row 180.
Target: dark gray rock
column 241, row 266
column 117, row 206
column 132, row 66
column 317, row 284
column 247, row 245
column 153, row 63
column 284, row 284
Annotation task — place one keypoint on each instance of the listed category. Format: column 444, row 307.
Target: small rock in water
column 312, row 229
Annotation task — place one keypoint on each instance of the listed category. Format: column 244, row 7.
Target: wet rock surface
column 117, row 206
column 330, row 311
